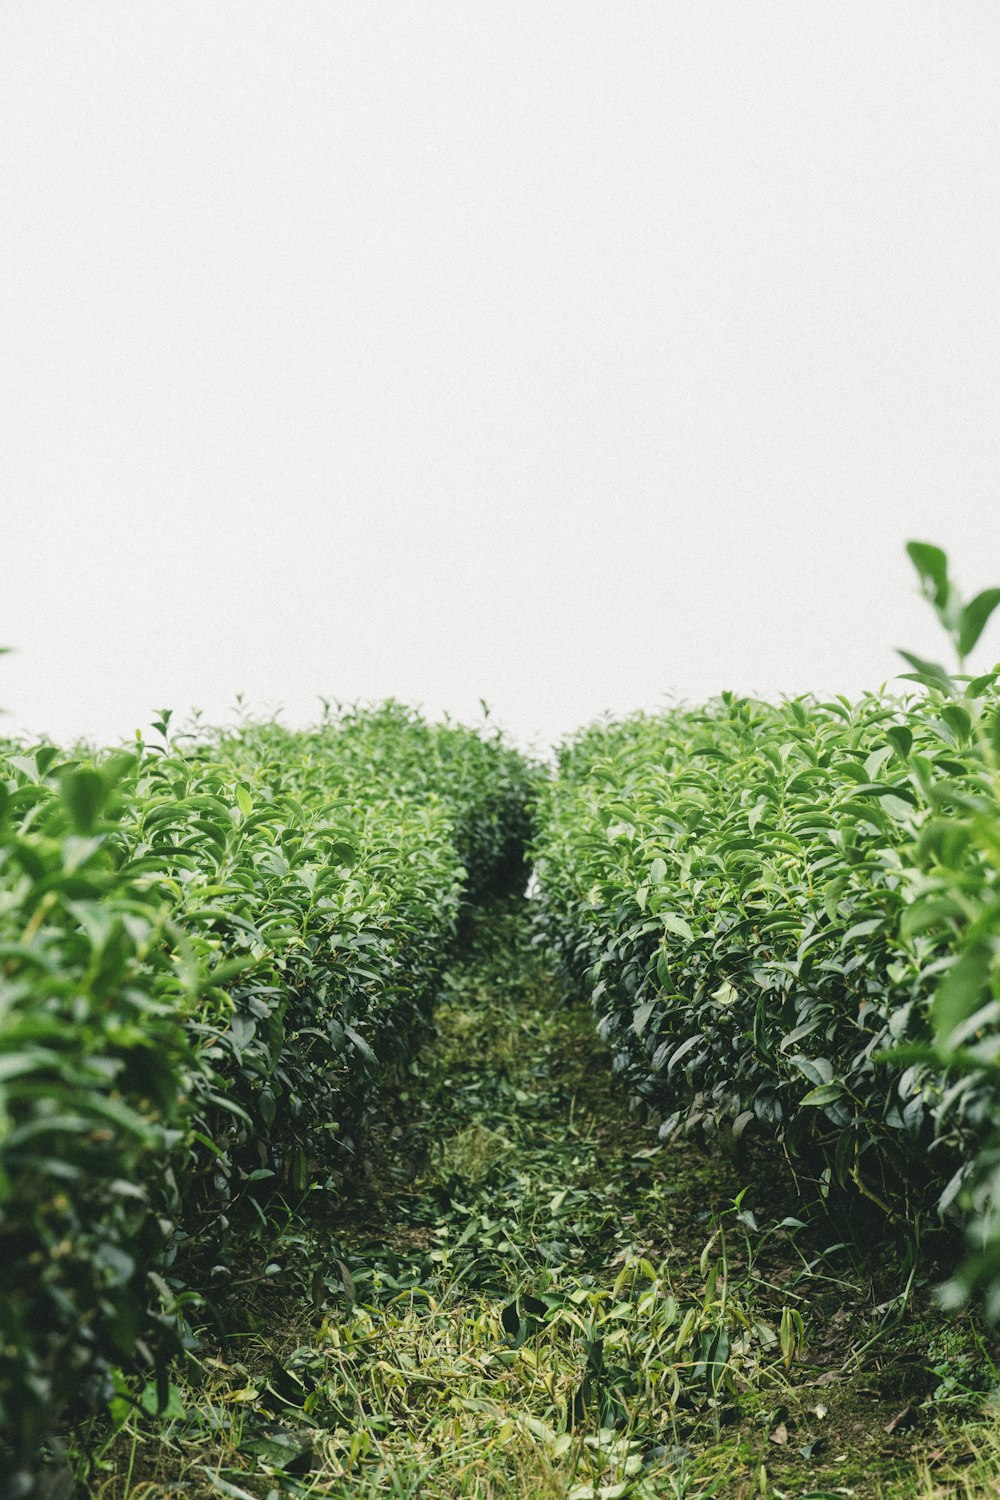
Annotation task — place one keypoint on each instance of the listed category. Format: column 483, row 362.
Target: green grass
column 528, row 1295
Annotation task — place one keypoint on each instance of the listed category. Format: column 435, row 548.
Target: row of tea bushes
column 209, row 955
column 487, row 785
column 764, row 900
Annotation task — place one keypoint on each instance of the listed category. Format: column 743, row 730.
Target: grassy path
column 533, row 1297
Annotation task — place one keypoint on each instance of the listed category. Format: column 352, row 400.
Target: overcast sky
column 566, row 355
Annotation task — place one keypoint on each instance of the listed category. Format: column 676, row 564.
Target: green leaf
column 44, row 757
column 963, row 991
column 361, row 1045
column 958, row 720
column 22, row 1064
column 901, row 739
column 676, row 924
column 83, row 792
column 932, row 565
column 343, row 853
column 640, row 1018
column 876, row 761
column 827, row 1093
column 863, row 929
column 974, row 617
column 928, row 912
column 818, row 1070
column 267, row 1104
column 930, row 673
column 980, row 686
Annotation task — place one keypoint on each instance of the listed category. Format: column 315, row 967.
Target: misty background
column 565, row 355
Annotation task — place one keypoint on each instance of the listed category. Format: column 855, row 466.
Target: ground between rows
column 526, row 1293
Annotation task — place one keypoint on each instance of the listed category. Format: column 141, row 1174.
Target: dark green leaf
column 901, row 739
column 974, row 617
column 83, row 792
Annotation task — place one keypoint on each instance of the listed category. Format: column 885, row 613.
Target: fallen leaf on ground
column 901, row 1419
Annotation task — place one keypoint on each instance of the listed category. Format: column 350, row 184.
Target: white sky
column 567, row 355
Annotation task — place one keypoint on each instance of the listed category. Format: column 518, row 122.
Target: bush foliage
column 788, row 919
column 209, row 953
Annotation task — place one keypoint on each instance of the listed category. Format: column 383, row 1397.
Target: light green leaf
column 930, row 673
column 932, row 565
column 963, row 991
column 826, row 1093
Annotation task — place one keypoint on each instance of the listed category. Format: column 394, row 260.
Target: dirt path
column 531, row 1296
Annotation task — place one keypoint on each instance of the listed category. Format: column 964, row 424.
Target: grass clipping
column 530, row 1296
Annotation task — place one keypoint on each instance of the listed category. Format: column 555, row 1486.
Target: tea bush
column 787, row 917
column 209, row 955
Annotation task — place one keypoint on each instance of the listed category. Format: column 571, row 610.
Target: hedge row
column 764, row 900
column 207, row 958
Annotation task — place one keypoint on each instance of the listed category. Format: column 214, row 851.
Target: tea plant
column 209, row 956
column 528, row 1295
column 776, row 909
column 958, row 887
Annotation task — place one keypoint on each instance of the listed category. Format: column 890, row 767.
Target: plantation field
column 528, row 1294
column 211, row 953
column 787, row 918
column 332, row 1163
